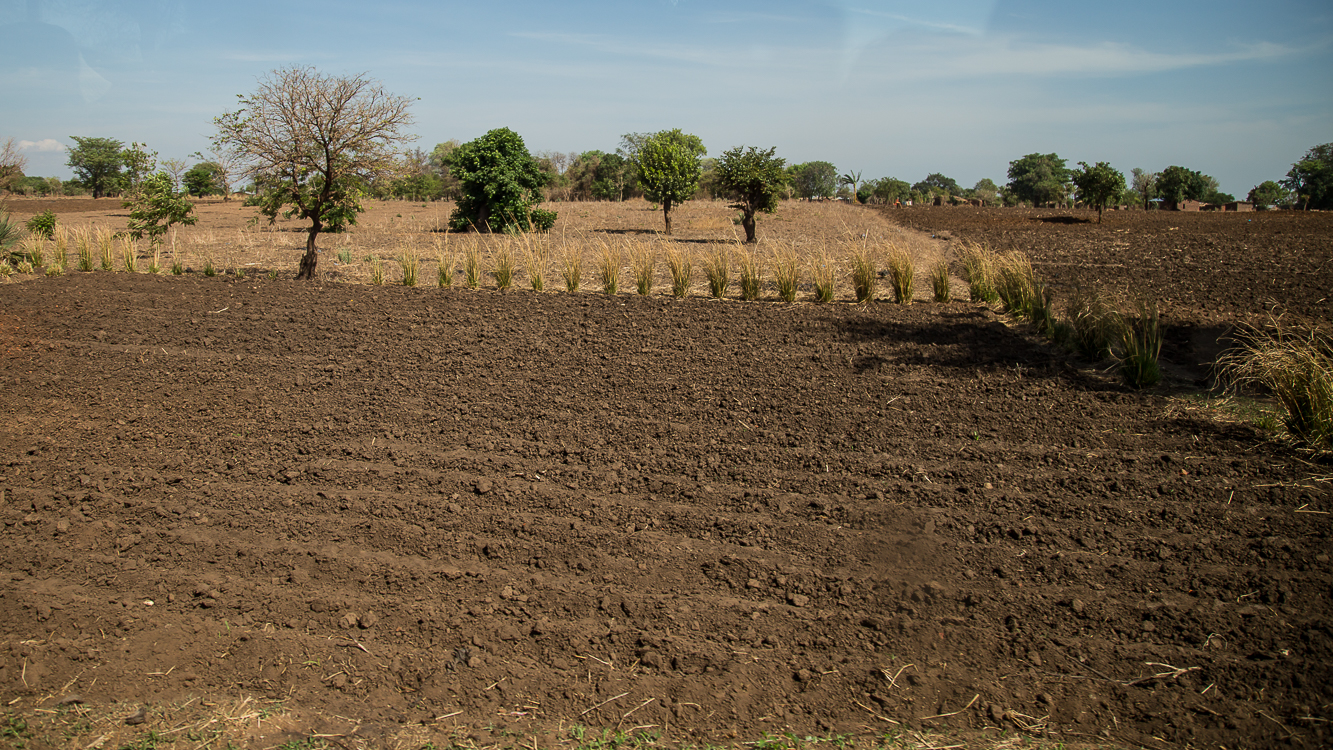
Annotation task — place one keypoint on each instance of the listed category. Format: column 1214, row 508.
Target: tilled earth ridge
column 501, row 514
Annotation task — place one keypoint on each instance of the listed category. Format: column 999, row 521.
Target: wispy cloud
column 267, row 56
column 46, row 144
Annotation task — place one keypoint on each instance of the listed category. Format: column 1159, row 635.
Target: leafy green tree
column 1039, row 179
column 937, row 184
column 754, row 179
column 986, row 190
column 1311, row 178
column 1098, row 185
column 610, row 177
column 311, row 142
column 500, row 183
column 1267, row 194
column 668, row 167
column 1175, row 185
column 814, row 179
column 139, row 164
column 156, row 206
column 204, row 178
column 97, row 164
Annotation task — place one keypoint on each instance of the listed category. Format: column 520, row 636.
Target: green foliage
column 1098, row 186
column 754, row 180
column 1144, row 183
column 1140, row 346
column 204, row 178
column 885, row 190
column 500, row 184
column 11, row 232
column 814, row 179
column 1176, row 185
column 1268, row 194
column 1039, row 179
column 542, row 220
column 937, row 184
column 1311, row 178
column 667, row 165
column 1295, row 364
column 155, row 207
column 43, row 225
column 98, row 164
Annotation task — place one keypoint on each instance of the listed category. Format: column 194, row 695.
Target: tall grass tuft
column 979, row 268
column 376, row 272
column 823, row 271
column 902, row 275
column 155, row 267
column 571, row 269
column 106, row 251
column 61, row 237
column 504, row 264
column 786, row 273
column 177, row 263
column 681, row 268
column 717, row 269
column 751, row 273
column 444, row 273
column 1093, row 331
column 1140, row 345
column 471, row 263
column 643, row 260
column 34, row 249
column 535, row 261
column 210, row 270
column 129, row 254
column 1022, row 294
column 865, row 277
column 1295, row 364
column 411, row 263
column 939, row 280
column 608, row 266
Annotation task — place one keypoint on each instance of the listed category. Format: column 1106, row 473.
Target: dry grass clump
column 823, row 272
column 1295, row 364
column 751, row 274
column 939, row 280
column 411, row 264
column 503, row 264
column 129, row 254
column 1140, row 345
column 1091, row 325
column 717, row 268
column 472, row 263
column 902, row 275
column 979, row 270
column 445, row 258
column 376, row 272
column 571, row 268
column 608, row 266
column 1022, row 294
column 105, row 248
column 786, row 272
column 34, row 249
column 643, row 261
column 681, row 268
column 535, row 262
column 865, row 277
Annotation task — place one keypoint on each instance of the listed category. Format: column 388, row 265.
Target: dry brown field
column 345, row 515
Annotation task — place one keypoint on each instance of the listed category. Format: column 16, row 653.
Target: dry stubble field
column 268, row 511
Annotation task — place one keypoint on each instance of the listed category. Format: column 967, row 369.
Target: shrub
column 1140, row 346
column 542, row 220
column 678, row 262
column 939, row 280
column 865, row 277
column 1295, row 364
column 902, row 276
column 717, row 268
column 43, row 225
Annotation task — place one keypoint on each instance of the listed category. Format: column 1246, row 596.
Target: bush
column 43, row 225
column 542, row 220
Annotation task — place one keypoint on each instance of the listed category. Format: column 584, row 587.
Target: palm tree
column 853, row 179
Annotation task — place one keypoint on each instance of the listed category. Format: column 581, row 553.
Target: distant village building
column 1240, row 206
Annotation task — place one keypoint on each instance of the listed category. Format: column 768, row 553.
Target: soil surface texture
column 492, row 516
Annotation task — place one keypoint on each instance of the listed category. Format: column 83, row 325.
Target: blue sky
column 1238, row 90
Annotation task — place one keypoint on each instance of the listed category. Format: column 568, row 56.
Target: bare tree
column 12, row 164
column 311, row 141
column 176, row 169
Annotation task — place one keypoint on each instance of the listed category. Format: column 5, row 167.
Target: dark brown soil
column 500, row 515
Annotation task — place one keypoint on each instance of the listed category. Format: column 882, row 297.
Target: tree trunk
column 747, row 221
column 666, row 214
column 311, row 257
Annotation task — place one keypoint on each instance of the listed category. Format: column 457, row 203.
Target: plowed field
column 265, row 510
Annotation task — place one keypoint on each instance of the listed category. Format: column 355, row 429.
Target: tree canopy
column 204, row 178
column 754, row 180
column 937, row 184
column 1311, row 178
column 814, row 179
column 156, row 206
column 667, row 165
column 1039, row 179
column 1176, row 185
column 500, row 184
column 97, row 164
column 311, row 142
column 1098, row 186
column 1268, row 194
